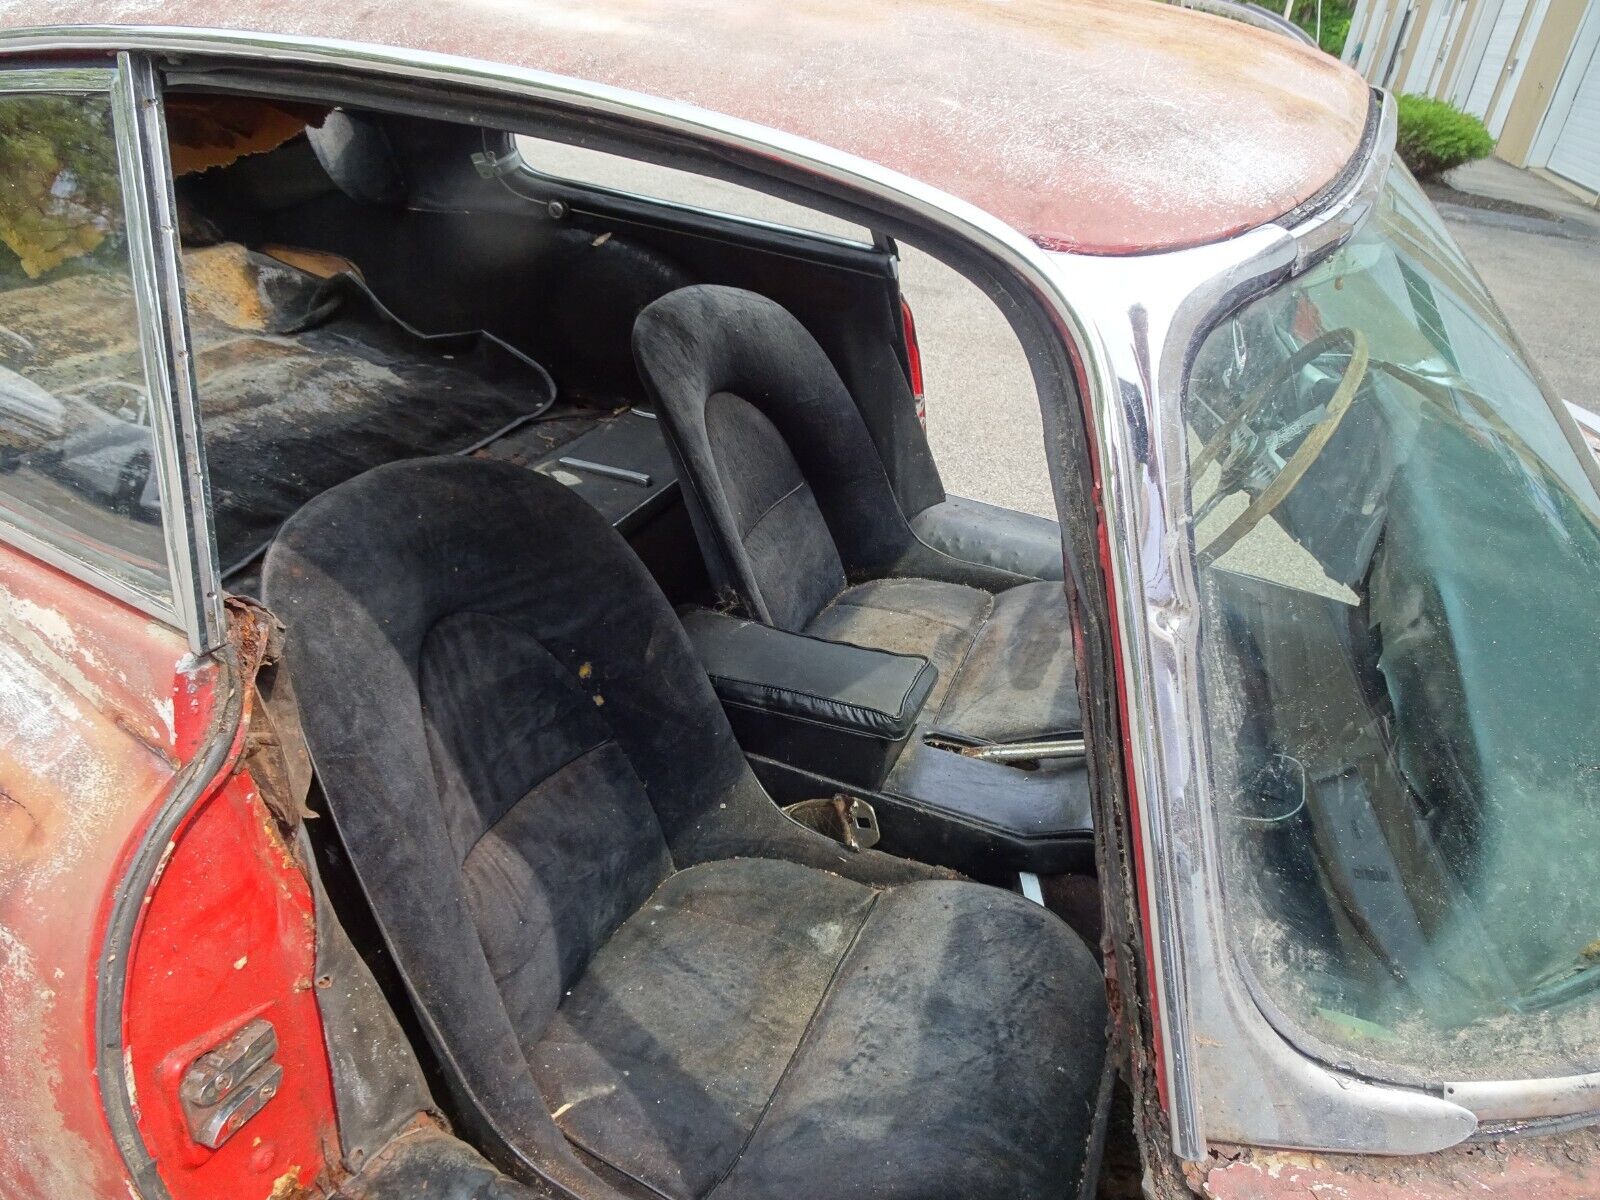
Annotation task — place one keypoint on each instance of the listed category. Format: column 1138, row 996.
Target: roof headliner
column 1101, row 126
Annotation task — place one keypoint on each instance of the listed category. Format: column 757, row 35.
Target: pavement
column 983, row 410
column 1541, row 261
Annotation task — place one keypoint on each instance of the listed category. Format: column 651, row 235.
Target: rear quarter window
column 77, row 462
column 647, row 181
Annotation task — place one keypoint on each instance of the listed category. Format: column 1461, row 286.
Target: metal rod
column 610, row 472
column 1027, row 751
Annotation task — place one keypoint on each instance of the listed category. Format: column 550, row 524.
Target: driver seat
column 637, row 975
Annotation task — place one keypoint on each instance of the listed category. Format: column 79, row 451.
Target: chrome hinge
column 495, row 166
column 226, row 1086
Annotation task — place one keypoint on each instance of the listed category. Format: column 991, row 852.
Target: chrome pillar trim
column 1149, row 299
column 153, row 251
column 1231, row 1074
column 1322, row 234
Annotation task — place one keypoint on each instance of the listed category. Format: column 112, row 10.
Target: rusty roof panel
column 1103, row 126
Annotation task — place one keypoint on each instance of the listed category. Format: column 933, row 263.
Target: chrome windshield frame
column 1235, row 1069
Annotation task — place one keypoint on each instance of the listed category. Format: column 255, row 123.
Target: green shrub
column 1434, row 136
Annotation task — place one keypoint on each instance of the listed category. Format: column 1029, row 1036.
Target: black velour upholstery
column 634, row 969
column 790, row 501
column 1004, row 675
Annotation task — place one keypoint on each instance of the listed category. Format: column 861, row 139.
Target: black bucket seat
column 638, row 976
column 798, row 520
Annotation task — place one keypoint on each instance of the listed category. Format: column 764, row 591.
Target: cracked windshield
column 1399, row 552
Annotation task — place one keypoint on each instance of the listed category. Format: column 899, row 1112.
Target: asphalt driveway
column 1548, row 286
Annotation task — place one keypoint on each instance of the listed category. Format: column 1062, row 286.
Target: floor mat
column 303, row 382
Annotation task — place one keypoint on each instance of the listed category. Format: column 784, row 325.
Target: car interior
column 707, row 786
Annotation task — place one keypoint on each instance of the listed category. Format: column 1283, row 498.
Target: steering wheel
column 1243, row 453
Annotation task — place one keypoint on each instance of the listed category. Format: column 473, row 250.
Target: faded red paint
column 1103, row 126
column 1553, row 1167
column 99, row 708
column 227, row 937
column 98, row 703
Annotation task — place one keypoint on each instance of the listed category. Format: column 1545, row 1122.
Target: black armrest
column 808, row 701
column 988, row 535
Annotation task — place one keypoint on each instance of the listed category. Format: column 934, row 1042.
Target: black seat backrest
column 516, row 744
column 788, row 493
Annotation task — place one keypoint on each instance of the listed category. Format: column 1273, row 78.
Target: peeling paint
column 82, row 757
column 42, row 1155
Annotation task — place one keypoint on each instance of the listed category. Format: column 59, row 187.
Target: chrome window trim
column 1134, row 323
column 55, row 554
column 156, row 257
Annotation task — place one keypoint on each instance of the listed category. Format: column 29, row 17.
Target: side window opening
column 304, row 208
column 983, row 418
column 982, row 410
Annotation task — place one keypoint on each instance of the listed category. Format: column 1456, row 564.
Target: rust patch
column 288, row 1187
column 212, row 131
column 1562, row 1166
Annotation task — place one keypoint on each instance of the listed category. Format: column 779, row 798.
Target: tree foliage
column 1335, row 29
column 60, row 196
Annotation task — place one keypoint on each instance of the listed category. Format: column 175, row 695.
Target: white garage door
column 1496, row 50
column 1575, row 151
column 1427, row 53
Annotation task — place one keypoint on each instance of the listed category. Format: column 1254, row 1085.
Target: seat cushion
column 1019, row 680
column 909, row 616
column 761, row 1029
column 1005, row 660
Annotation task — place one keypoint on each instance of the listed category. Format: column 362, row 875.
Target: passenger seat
column 796, row 518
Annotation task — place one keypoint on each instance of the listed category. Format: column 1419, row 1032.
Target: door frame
column 156, row 278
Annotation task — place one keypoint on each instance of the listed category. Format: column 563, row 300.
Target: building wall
column 1546, row 57
column 1544, row 42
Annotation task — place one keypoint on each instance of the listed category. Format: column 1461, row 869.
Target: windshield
column 1399, row 548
